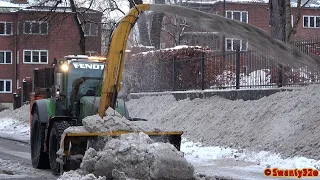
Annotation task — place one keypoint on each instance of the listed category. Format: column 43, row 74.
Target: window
column 35, row 27
column 91, row 29
column 5, row 86
column 231, row 44
column 238, row 15
column 5, row 28
column 311, row 21
column 35, row 56
column 5, row 57
column 162, row 45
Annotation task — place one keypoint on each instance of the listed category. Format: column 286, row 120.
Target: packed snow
column 14, row 170
column 113, row 121
column 14, row 124
column 136, row 155
column 133, row 155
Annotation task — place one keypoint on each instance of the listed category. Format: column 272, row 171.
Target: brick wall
column 62, row 39
column 307, row 33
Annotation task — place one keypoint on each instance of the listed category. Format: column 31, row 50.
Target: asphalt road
column 15, row 162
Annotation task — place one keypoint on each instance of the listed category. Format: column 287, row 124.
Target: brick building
column 31, row 37
column 256, row 14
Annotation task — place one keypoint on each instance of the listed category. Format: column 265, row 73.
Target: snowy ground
column 12, row 170
column 220, row 128
column 14, row 124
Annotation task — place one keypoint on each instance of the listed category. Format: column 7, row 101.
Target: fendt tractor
column 72, row 89
column 64, row 95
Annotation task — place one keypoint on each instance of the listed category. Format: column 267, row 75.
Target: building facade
column 31, row 37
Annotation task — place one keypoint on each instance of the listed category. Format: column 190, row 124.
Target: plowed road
column 15, row 162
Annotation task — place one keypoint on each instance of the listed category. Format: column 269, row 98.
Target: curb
column 13, row 139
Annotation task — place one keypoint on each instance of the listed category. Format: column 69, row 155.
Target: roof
column 6, row 6
column 57, row 9
column 264, row 2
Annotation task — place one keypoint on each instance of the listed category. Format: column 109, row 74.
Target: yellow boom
column 115, row 58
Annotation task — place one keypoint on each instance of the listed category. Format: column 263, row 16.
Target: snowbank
column 285, row 122
column 14, row 129
column 21, row 114
column 14, row 124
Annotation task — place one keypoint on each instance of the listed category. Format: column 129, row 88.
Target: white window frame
column 5, row 57
column 90, row 34
column 162, row 45
column 39, row 22
column 5, row 28
column 232, row 11
column 232, row 39
column 32, row 56
column 4, row 86
column 315, row 21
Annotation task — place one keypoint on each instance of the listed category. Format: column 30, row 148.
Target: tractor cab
column 77, row 86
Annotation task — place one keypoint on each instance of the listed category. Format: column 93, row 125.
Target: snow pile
column 285, row 122
column 131, row 155
column 135, row 155
column 20, row 114
column 14, row 124
column 113, row 121
column 79, row 175
column 14, row 129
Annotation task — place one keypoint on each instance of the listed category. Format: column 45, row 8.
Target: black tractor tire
column 54, row 144
column 40, row 159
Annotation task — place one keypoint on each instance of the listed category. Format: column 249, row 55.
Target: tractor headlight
column 64, row 67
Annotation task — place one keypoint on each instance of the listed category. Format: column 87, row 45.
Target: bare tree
column 277, row 19
column 175, row 28
column 142, row 25
column 280, row 19
column 292, row 29
column 82, row 42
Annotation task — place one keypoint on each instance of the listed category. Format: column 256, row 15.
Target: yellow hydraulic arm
column 115, row 59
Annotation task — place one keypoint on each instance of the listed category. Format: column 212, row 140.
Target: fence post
column 280, row 82
column 202, row 71
column 35, row 79
column 238, row 67
column 174, row 74
column 24, row 91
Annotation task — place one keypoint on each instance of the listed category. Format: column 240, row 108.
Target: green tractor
column 62, row 96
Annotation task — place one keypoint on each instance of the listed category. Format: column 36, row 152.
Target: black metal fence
column 236, row 70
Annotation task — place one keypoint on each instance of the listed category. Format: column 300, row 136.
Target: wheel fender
column 42, row 110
